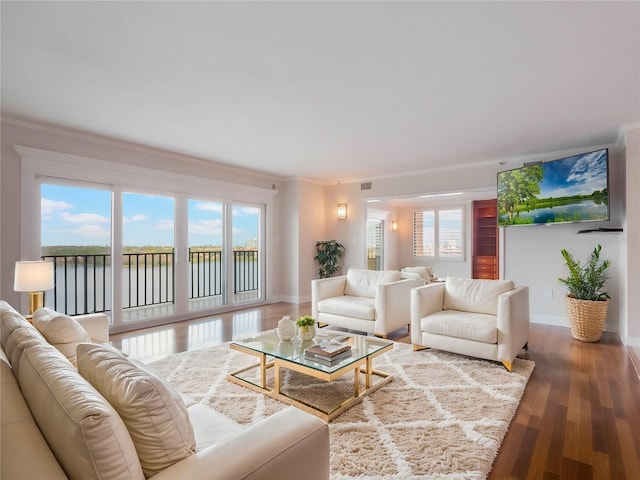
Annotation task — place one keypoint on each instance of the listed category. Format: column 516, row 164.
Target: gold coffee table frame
column 364, row 349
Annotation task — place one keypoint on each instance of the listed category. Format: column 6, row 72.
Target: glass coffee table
column 278, row 354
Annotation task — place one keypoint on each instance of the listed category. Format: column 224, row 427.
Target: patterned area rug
column 442, row 416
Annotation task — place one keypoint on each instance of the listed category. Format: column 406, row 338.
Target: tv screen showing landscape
column 572, row 189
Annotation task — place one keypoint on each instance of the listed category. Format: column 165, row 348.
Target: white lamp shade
column 36, row 276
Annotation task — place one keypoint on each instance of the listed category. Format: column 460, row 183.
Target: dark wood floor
column 579, row 417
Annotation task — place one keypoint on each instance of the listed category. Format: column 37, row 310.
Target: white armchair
column 368, row 301
column 481, row 318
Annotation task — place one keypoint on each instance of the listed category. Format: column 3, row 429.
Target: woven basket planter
column 586, row 318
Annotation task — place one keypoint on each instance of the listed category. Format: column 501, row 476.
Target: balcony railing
column 206, row 273
column 83, row 282
column 150, row 279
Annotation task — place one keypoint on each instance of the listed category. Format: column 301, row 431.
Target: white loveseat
column 56, row 425
column 480, row 318
column 368, row 301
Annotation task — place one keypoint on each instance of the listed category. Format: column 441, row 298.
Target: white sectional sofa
column 56, row 425
column 480, row 318
column 364, row 300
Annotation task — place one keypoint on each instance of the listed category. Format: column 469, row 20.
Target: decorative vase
column 307, row 332
column 286, row 328
column 586, row 318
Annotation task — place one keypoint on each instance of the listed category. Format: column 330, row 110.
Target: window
column 438, row 233
column 375, row 227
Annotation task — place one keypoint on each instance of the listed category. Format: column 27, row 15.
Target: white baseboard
column 290, row 299
column 631, row 341
column 562, row 321
column 555, row 320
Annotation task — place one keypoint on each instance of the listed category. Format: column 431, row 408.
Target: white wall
column 631, row 334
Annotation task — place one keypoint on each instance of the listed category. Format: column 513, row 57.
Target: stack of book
column 328, row 353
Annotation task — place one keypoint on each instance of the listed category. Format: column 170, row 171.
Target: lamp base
column 36, row 300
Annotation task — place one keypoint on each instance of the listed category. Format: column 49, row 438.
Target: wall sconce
column 394, row 226
column 342, row 211
column 33, row 277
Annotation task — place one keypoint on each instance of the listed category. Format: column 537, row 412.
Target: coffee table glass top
column 270, row 344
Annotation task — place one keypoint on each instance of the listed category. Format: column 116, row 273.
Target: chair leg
column 507, row 365
column 380, row 335
column 417, row 348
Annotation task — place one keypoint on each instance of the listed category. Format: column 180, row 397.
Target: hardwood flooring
column 579, row 417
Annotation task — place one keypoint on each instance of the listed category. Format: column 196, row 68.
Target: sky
column 82, row 216
column 577, row 175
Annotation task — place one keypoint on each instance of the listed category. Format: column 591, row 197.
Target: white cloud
column 48, row 206
column 138, row 217
column 206, row 227
column 84, row 218
column 245, row 211
column 92, row 231
column 209, row 207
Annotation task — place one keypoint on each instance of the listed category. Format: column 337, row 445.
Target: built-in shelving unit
column 485, row 239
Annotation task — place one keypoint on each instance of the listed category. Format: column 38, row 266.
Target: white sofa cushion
column 152, row 410
column 473, row 295
column 82, row 429
column 362, row 283
column 61, row 331
column 425, row 273
column 348, row 306
column 469, row 326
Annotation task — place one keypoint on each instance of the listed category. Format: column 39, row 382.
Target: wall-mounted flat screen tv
column 571, row 189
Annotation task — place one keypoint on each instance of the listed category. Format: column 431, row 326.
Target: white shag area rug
column 443, row 416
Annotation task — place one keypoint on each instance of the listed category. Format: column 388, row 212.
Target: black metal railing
column 82, row 283
column 245, row 270
column 150, row 279
column 206, row 273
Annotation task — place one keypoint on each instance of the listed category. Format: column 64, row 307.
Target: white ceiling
column 330, row 91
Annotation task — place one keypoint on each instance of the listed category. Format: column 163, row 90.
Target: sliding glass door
column 147, row 256
column 75, row 234
column 171, row 255
column 207, row 282
column 247, row 259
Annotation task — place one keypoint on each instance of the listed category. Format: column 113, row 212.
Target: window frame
column 435, row 210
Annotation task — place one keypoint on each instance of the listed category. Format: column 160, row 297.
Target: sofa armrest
column 322, row 288
column 288, row 445
column 392, row 304
column 96, row 325
column 425, row 300
column 513, row 322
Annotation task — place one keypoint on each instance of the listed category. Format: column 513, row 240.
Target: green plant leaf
column 586, row 282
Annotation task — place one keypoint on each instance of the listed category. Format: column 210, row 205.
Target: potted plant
column 586, row 302
column 306, row 327
column 328, row 252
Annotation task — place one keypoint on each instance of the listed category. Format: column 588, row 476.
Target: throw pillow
column 152, row 410
column 61, row 331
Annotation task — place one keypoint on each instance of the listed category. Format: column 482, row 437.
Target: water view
column 584, row 210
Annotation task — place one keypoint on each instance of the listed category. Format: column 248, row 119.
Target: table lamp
column 33, row 277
